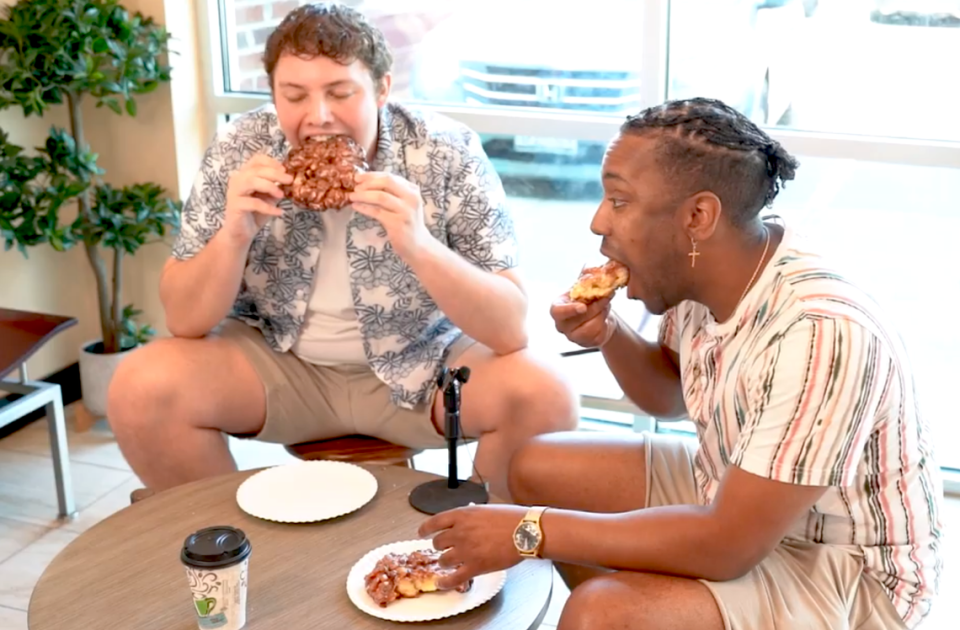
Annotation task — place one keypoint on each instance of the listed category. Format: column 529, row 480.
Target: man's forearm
column 199, row 292
column 644, row 372
column 681, row 540
column 485, row 306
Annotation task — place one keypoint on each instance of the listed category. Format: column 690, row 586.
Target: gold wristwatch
column 528, row 536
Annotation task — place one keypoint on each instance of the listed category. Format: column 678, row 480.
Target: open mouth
column 606, row 254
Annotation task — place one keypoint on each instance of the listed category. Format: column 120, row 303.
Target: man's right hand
column 252, row 197
column 589, row 326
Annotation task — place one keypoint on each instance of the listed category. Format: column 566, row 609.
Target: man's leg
column 601, row 473
column 508, row 400
column 641, row 601
column 802, row 585
column 799, row 585
column 170, row 402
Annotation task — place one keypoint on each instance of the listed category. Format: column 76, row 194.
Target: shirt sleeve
column 813, row 397
column 203, row 211
column 479, row 225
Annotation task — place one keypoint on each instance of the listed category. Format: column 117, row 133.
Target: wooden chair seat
column 355, row 449
column 22, row 333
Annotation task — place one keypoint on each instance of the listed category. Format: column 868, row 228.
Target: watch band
column 534, row 515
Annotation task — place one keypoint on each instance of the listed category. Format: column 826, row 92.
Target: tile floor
column 30, row 536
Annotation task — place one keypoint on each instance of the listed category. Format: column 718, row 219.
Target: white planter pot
column 96, row 371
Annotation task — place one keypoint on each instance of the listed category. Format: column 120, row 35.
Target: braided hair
column 704, row 144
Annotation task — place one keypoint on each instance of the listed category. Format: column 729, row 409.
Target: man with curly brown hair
column 292, row 325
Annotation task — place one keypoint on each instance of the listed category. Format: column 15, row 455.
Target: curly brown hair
column 332, row 30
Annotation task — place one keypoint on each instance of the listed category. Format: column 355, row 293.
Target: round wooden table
column 125, row 572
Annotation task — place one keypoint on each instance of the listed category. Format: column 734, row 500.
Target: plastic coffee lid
column 215, row 547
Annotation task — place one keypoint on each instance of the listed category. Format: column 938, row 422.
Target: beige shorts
column 307, row 402
column 799, row 585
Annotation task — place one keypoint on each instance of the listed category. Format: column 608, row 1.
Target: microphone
column 437, row 496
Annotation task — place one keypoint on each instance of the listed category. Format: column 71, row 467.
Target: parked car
column 944, row 13
column 541, row 55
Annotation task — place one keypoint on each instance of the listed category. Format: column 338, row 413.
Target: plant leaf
column 51, row 50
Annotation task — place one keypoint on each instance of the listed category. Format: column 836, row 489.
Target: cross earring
column 693, row 253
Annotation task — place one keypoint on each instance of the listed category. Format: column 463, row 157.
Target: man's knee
column 145, row 382
column 540, row 399
column 531, row 468
column 597, row 603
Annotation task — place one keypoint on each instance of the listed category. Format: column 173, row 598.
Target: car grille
column 578, row 90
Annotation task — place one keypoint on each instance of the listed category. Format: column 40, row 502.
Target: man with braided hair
column 811, row 497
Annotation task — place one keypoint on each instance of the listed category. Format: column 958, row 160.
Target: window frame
column 655, row 64
column 212, row 15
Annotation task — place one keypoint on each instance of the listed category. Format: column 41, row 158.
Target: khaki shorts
column 307, row 402
column 799, row 585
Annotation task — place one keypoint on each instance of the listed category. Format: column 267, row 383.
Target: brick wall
column 249, row 23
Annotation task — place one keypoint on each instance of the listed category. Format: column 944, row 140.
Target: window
column 857, row 89
column 840, row 66
column 442, row 52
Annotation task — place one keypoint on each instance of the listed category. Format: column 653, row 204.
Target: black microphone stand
column 437, row 496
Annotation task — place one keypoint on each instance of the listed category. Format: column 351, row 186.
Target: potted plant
column 55, row 52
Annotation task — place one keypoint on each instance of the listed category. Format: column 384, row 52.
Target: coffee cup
column 216, row 560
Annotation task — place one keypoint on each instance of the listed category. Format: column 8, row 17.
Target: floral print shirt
column 406, row 337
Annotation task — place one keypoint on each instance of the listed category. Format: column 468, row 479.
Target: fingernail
column 580, row 309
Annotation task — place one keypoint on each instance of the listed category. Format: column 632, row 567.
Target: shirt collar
column 385, row 139
column 758, row 292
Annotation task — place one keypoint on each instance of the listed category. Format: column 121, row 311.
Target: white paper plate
column 428, row 606
column 304, row 492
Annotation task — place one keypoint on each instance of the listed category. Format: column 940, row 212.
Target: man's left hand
column 476, row 539
column 396, row 203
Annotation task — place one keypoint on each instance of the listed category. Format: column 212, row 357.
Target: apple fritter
column 399, row 575
column 596, row 283
column 324, row 172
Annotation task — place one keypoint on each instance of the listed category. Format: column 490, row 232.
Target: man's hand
column 476, row 539
column 396, row 203
column 252, row 196
column 588, row 326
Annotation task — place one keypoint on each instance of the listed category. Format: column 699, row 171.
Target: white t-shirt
column 331, row 332
column 807, row 383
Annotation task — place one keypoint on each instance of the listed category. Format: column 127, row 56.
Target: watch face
column 526, row 537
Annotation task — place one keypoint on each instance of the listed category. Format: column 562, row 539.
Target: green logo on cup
column 205, row 606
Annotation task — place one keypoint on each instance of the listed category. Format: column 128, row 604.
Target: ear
column 700, row 214
column 384, row 91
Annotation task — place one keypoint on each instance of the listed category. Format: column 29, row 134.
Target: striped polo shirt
column 808, row 383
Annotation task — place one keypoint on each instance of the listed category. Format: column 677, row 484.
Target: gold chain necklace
column 766, row 245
